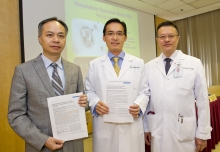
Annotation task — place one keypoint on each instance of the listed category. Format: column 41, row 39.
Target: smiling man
column 33, row 82
column 176, row 80
column 116, row 65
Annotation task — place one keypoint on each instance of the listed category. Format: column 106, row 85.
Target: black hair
column 167, row 23
column 115, row 20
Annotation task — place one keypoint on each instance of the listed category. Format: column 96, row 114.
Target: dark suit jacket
column 28, row 111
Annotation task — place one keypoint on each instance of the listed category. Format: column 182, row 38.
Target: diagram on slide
column 87, row 38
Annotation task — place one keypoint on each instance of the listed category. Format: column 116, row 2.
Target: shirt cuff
column 141, row 113
column 94, row 113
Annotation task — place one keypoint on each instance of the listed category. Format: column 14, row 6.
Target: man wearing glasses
column 176, row 80
column 117, row 65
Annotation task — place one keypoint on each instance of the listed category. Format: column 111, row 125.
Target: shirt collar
column 172, row 57
column 47, row 62
column 121, row 55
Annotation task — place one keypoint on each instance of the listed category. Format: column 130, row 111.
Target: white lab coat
column 116, row 137
column 171, row 96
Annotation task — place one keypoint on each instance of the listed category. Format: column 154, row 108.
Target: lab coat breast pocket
column 186, row 129
column 185, row 84
column 135, row 77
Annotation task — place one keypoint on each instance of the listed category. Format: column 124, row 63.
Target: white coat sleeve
column 201, row 93
column 144, row 93
column 90, row 80
column 145, row 124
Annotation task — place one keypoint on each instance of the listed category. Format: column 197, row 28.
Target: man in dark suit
column 28, row 112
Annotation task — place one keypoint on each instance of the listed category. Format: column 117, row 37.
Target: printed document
column 67, row 117
column 118, row 98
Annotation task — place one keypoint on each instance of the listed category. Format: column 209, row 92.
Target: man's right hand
column 147, row 137
column 53, row 143
column 101, row 108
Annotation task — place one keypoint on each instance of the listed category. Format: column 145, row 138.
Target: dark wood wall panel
column 9, row 57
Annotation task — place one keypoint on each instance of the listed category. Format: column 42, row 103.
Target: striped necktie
column 56, row 81
column 116, row 67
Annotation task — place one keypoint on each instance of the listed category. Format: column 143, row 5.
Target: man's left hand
column 82, row 100
column 200, row 144
column 134, row 110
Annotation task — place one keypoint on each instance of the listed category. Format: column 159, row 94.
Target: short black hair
column 167, row 23
column 40, row 25
column 115, row 20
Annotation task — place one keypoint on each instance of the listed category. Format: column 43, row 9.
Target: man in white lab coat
column 117, row 137
column 176, row 80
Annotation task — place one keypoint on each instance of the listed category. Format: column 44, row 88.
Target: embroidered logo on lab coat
column 134, row 67
column 188, row 68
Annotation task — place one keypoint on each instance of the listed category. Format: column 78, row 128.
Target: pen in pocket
column 180, row 118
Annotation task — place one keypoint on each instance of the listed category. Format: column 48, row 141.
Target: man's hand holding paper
column 83, row 100
column 67, row 115
column 53, row 143
column 102, row 108
column 134, row 110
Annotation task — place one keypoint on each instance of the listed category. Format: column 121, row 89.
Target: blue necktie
column 167, row 66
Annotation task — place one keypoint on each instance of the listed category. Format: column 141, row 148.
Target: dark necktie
column 56, row 81
column 167, row 66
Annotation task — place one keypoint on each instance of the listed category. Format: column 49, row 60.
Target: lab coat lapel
column 126, row 64
column 160, row 65
column 108, row 65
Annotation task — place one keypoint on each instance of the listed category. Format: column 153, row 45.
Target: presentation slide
column 85, row 20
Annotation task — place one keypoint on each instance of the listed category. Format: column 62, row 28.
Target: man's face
column 53, row 38
column 114, row 37
column 167, row 39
